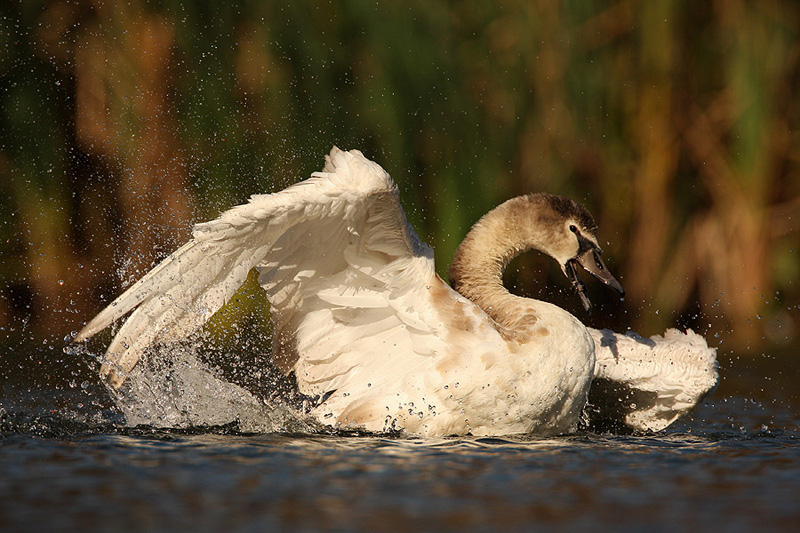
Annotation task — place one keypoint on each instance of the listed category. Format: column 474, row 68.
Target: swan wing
column 340, row 264
column 647, row 383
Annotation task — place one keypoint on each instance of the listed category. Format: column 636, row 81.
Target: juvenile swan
column 369, row 328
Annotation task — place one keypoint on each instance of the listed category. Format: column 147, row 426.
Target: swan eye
column 573, row 228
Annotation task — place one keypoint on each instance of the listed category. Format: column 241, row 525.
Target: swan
column 383, row 343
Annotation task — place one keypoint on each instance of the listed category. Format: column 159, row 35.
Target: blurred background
column 676, row 123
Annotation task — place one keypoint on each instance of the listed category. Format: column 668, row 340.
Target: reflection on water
column 68, row 463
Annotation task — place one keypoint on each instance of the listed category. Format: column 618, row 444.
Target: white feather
column 677, row 370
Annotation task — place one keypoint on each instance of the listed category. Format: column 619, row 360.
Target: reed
column 676, row 123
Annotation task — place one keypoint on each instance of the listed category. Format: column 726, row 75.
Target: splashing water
column 180, row 391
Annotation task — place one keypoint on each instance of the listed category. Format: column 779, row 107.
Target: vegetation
column 676, row 123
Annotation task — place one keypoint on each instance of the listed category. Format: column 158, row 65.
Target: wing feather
column 647, row 383
column 335, row 254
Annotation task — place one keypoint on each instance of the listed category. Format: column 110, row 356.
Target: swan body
column 372, row 332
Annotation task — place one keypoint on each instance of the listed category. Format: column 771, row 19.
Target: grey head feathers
column 566, row 208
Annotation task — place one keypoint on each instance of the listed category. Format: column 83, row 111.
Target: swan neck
column 480, row 260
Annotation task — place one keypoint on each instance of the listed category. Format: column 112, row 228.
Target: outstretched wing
column 333, row 252
column 647, row 383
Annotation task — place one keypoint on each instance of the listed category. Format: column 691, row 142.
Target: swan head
column 571, row 239
column 554, row 225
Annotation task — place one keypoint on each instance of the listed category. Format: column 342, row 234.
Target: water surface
column 68, row 462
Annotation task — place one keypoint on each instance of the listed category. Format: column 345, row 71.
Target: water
column 68, row 462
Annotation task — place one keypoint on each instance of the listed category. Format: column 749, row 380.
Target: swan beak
column 593, row 264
